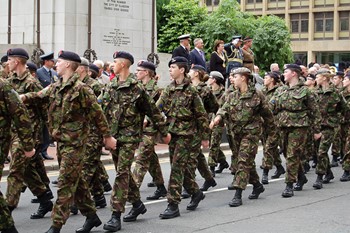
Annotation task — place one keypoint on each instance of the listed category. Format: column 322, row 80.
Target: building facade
column 320, row 29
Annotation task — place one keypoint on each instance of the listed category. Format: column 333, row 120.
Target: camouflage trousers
column 215, row 153
column 234, row 146
column 72, row 186
column 270, row 148
column 323, row 145
column 346, row 140
column 23, row 170
column 336, row 145
column 92, row 161
column 202, row 164
column 101, row 170
column 124, row 188
column 310, row 151
column 293, row 144
column 247, row 145
column 6, row 220
column 147, row 160
column 183, row 167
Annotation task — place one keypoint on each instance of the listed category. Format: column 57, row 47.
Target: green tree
column 160, row 13
column 180, row 17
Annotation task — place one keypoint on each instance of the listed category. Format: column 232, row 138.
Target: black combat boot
column 114, row 223
column 160, row 192
column 100, row 201
column 222, row 166
column 265, row 176
column 207, row 184
column 345, row 177
column 300, row 183
column 314, row 161
column 10, row 230
column 54, row 230
column 74, row 209
column 288, row 191
column 151, row 184
column 90, row 222
column 195, row 199
column 231, row 187
column 318, row 182
column 237, row 199
column 334, row 162
column 43, row 209
column 328, row 177
column 137, row 209
column 212, row 170
column 185, row 194
column 107, row 186
column 279, row 171
column 306, row 167
column 257, row 189
column 172, row 211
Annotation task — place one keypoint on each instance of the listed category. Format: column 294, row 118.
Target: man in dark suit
column 46, row 75
column 184, row 49
column 197, row 55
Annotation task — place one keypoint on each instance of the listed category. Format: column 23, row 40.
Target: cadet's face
column 118, row 65
column 309, row 82
column 288, row 74
column 12, row 63
column 232, row 79
column 174, row 71
column 61, row 65
column 320, row 79
column 211, row 81
column 237, row 80
column 346, row 82
column 336, row 80
column 192, row 74
column 141, row 73
column 267, row 80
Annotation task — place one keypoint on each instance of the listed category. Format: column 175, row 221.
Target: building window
column 344, row 20
column 212, row 2
column 299, row 23
column 324, row 22
column 254, row 1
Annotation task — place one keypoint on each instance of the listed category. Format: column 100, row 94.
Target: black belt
column 248, row 62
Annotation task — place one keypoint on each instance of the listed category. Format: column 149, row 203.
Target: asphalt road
column 326, row 210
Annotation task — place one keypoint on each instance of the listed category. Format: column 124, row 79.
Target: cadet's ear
column 182, row 70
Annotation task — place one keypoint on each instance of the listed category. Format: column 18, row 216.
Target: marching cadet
column 126, row 103
column 345, row 130
column 271, row 154
column 296, row 110
column 329, row 105
column 244, row 109
column 23, row 169
column 72, row 108
column 147, row 159
column 198, row 78
column 187, row 118
column 12, row 111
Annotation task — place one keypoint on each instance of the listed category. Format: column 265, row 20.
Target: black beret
column 340, row 73
column 312, row 76
column 48, row 56
column 68, row 55
column 125, row 55
column 147, row 65
column 198, row 67
column 94, row 68
column 17, row 52
column 178, row 60
column 273, row 75
column 293, row 67
column 31, row 66
column 4, row 59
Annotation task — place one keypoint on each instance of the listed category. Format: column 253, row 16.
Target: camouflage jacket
column 210, row 103
column 93, row 84
column 126, row 105
column 329, row 102
column 218, row 95
column 12, row 110
column 245, row 111
column 153, row 90
column 345, row 95
column 37, row 110
column 184, row 109
column 72, row 107
column 296, row 107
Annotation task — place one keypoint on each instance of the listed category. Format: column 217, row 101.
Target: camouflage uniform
column 271, row 153
column 345, row 131
column 329, row 105
column 211, row 106
column 187, row 117
column 147, row 159
column 23, row 169
column 337, row 144
column 244, row 112
column 72, row 107
column 296, row 110
column 11, row 110
column 126, row 104
column 215, row 154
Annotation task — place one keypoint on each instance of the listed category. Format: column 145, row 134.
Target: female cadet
column 296, row 110
column 345, row 130
column 198, row 79
column 245, row 108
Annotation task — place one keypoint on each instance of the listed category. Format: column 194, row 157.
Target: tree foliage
column 160, row 12
column 271, row 35
column 180, row 17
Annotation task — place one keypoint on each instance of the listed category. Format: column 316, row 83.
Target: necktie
column 50, row 74
column 202, row 53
